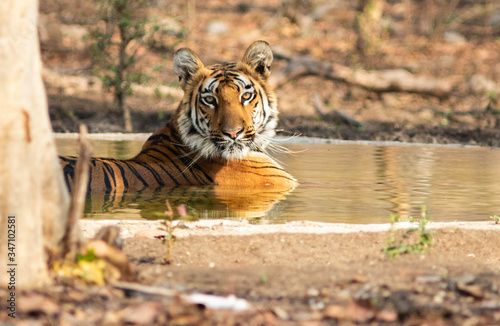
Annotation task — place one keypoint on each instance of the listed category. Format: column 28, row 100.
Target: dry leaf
column 352, row 311
column 384, row 315
column 358, row 278
column 112, row 255
column 472, row 290
column 142, row 314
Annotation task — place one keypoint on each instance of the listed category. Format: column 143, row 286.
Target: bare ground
column 294, row 274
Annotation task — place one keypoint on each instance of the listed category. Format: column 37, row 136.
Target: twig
column 72, row 239
column 145, row 290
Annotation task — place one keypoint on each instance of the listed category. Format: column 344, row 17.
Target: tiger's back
column 217, row 136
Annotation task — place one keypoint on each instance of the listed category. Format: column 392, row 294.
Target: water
column 344, row 183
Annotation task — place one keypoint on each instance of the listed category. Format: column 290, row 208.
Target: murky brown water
column 348, row 183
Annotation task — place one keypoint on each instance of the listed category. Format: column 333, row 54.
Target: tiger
column 217, row 136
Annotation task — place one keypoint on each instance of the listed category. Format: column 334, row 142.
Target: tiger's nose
column 233, row 133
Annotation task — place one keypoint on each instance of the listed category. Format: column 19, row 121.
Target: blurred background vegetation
column 362, row 61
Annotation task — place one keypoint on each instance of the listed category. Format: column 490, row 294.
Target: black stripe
column 69, row 171
column 267, row 167
column 219, row 75
column 165, row 137
column 210, row 85
column 68, row 159
column 155, row 138
column 192, row 130
column 199, row 169
column 187, row 161
column 190, row 99
column 134, row 171
column 107, row 184
column 89, row 188
column 264, row 166
column 164, row 170
column 270, row 175
column 172, row 161
column 153, row 172
column 110, row 172
column 263, row 107
column 197, row 103
column 122, row 171
column 231, row 74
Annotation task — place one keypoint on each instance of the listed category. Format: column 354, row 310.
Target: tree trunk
column 32, row 189
column 120, row 79
column 368, row 30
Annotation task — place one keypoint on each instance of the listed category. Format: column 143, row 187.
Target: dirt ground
column 319, row 275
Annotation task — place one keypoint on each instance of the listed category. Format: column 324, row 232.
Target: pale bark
column 72, row 240
column 31, row 185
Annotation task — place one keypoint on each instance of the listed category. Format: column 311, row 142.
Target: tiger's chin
column 211, row 149
column 233, row 151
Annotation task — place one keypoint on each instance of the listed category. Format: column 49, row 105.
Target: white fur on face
column 194, row 122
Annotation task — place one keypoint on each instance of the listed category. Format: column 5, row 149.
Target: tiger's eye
column 209, row 99
column 246, row 96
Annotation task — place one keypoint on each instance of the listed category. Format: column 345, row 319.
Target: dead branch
column 390, row 80
column 145, row 290
column 472, row 13
column 72, row 239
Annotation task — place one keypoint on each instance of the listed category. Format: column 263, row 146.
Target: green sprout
column 168, row 217
column 400, row 245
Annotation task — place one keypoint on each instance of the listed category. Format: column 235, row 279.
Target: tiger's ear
column 259, row 57
column 186, row 64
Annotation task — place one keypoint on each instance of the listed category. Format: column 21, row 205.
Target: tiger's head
column 227, row 109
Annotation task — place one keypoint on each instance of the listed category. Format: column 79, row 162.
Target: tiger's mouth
column 233, row 149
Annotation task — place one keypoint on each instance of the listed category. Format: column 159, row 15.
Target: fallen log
column 389, row 80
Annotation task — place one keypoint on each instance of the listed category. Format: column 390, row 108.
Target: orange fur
column 217, row 136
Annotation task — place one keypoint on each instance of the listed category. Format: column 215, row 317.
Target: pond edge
column 130, row 228
column 294, row 140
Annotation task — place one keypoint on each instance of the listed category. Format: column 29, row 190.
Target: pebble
column 311, row 292
column 217, row 28
column 281, row 313
column 454, row 37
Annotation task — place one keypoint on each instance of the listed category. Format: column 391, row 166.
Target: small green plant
column 118, row 41
column 394, row 218
column 87, row 269
column 496, row 219
column 493, row 101
column 89, row 256
column 158, row 93
column 168, row 217
column 493, row 97
column 400, row 245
